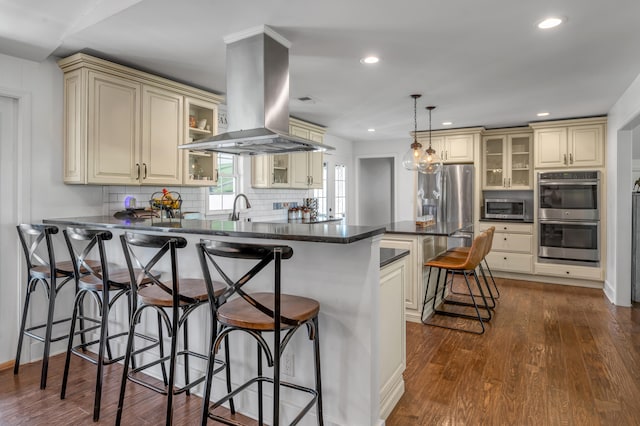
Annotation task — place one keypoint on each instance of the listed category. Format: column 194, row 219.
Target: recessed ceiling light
column 550, row 23
column 447, row 123
column 370, row 60
column 371, row 130
column 542, row 114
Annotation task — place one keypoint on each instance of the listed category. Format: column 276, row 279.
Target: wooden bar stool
column 256, row 313
column 173, row 300
column 466, row 266
column 98, row 283
column 42, row 268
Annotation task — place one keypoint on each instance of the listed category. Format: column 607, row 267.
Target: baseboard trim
column 7, row 365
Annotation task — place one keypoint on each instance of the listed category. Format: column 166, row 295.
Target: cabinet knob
column 567, row 272
column 505, row 258
column 505, row 238
column 505, row 228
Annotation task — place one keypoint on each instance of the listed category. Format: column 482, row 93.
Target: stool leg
column 260, row 411
column 125, row 369
column 492, row 279
column 186, row 356
column 23, row 324
column 211, row 362
column 316, row 352
column 475, row 305
column 47, row 336
column 103, row 342
column 65, row 375
column 484, row 299
column 435, row 294
column 227, row 357
column 172, row 365
column 161, row 350
column 426, row 292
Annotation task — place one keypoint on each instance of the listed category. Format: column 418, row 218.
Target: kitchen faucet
column 236, row 216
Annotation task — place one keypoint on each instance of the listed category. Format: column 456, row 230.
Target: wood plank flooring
column 552, row 355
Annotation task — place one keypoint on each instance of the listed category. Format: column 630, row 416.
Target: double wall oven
column 569, row 217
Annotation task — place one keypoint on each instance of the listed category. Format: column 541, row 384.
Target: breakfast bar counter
column 336, row 264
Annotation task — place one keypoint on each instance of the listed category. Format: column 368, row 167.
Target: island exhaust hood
column 257, row 98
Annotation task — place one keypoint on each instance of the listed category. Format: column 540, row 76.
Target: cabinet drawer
column 511, row 262
column 506, row 227
column 569, row 271
column 518, row 243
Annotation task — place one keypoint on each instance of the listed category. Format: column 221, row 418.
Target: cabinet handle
column 273, row 177
column 570, row 158
column 446, row 155
column 565, row 158
column 138, row 171
column 509, row 183
column 311, row 177
column 504, row 182
column 217, row 175
column 145, row 170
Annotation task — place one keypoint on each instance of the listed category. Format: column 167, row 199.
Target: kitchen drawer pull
column 565, row 158
column 138, row 171
column 570, row 158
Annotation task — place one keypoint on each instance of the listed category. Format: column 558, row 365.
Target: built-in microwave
column 504, row 208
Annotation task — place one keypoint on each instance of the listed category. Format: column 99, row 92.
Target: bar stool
column 465, row 250
column 98, row 283
column 256, row 313
column 42, row 268
column 467, row 266
column 173, row 300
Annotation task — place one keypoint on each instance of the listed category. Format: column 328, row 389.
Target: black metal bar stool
column 173, row 300
column 254, row 314
column 98, row 283
column 42, row 268
column 467, row 266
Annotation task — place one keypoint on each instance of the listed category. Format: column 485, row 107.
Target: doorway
column 9, row 261
column 376, row 191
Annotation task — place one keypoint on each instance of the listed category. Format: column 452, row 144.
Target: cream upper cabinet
column 507, row 160
column 301, row 170
column 453, row 146
column 570, row 143
column 113, row 130
column 123, row 126
column 200, row 168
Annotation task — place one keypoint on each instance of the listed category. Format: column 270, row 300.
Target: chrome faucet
column 235, row 216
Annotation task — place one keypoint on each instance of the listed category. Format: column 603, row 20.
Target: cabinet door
column 316, row 162
column 113, row 130
column 199, row 168
column 586, row 146
column 437, row 143
column 459, row 149
column 493, row 164
column 519, row 162
column 299, row 170
column 162, row 132
column 260, row 173
column 551, row 147
column 280, row 165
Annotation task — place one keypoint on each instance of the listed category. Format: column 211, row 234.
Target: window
column 321, row 194
column 221, row 197
column 340, row 179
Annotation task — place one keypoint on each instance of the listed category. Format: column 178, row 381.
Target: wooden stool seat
column 239, row 313
column 63, row 269
column 192, row 288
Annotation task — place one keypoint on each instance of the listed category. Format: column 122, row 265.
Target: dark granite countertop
column 441, row 229
column 320, row 219
column 320, row 232
column 390, row 255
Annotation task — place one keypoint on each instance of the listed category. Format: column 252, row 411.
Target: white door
column 10, row 304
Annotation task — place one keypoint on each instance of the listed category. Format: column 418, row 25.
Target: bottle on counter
column 306, row 213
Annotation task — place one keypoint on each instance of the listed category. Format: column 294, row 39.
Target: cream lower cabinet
column 421, row 248
column 512, row 248
column 393, row 279
column 123, row 126
column 570, row 143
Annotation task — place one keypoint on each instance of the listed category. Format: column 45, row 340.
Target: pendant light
column 414, row 159
column 432, row 163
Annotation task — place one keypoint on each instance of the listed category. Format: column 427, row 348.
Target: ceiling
column 482, row 63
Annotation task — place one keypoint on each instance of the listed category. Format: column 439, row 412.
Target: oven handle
column 567, row 222
column 564, row 182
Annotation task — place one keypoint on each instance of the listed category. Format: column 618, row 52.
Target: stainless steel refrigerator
column 635, row 248
column 448, row 197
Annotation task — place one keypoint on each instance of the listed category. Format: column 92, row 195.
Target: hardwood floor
column 552, row 355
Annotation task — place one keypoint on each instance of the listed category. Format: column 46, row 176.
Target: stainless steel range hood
column 257, row 98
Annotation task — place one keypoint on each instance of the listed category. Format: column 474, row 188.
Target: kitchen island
column 423, row 243
column 336, row 264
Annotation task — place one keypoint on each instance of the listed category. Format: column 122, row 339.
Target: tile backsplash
column 264, row 202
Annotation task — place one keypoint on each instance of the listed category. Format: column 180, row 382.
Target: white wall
column 42, row 191
column 375, row 181
column 623, row 118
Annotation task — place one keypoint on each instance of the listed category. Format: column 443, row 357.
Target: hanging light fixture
column 414, row 159
column 432, row 163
